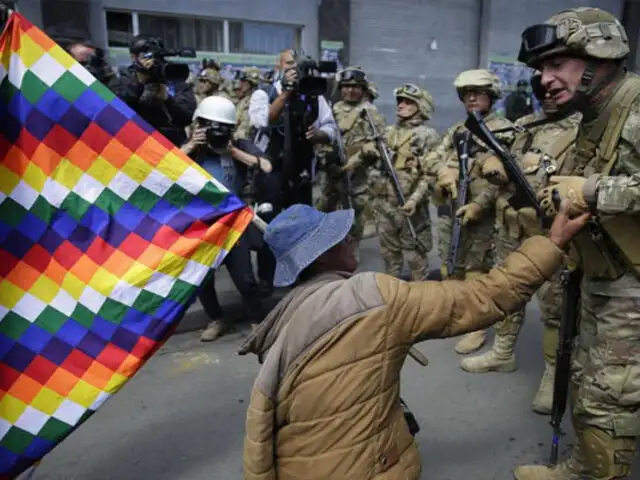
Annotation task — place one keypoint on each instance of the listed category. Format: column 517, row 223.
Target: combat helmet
column 351, row 76
column 480, row 79
column 212, row 75
column 582, row 32
column 423, row 99
column 252, row 75
column 372, row 89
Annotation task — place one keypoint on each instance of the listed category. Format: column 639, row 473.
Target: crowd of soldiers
column 585, row 136
column 583, row 146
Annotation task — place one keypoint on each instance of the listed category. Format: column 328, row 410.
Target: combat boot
column 543, row 400
column 607, row 457
column 471, row 342
column 475, row 340
column 500, row 358
column 571, row 469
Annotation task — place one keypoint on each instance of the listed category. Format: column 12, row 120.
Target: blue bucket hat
column 300, row 234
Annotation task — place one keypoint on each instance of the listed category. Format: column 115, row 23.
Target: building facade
column 427, row 42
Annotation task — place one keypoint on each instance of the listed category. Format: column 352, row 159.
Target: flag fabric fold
column 106, row 232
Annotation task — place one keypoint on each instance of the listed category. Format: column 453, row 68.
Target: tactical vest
column 345, row 124
column 537, row 166
column 243, row 122
column 609, row 251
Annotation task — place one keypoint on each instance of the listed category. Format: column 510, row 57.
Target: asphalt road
column 182, row 417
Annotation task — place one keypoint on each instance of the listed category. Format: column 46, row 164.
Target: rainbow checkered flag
column 106, row 232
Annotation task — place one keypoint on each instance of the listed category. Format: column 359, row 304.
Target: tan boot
column 608, row 457
column 471, row 342
column 214, row 331
column 570, row 469
column 500, row 358
column 543, row 401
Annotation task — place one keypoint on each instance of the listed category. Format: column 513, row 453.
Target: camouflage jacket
column 243, row 121
column 409, row 142
column 445, row 155
column 613, row 186
column 356, row 132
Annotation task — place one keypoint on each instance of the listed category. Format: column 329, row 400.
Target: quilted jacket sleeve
column 423, row 310
column 259, row 438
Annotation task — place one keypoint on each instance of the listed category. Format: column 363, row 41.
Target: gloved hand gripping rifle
column 388, row 165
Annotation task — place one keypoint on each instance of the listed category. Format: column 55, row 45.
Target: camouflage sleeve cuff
column 590, row 192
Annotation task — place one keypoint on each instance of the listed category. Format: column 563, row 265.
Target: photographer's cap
column 217, row 109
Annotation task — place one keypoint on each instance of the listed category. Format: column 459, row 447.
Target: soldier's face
column 561, row 77
column 476, row 101
column 352, row 93
column 406, row 108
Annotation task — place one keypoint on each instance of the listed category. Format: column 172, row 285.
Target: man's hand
column 564, row 227
column 198, row 138
column 290, row 79
column 566, row 188
column 409, row 208
column 494, row 172
column 316, row 136
column 161, row 92
column 469, row 212
column 447, row 181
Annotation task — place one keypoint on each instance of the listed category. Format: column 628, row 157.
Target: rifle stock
column 386, row 160
column 462, row 148
column 524, row 195
column 570, row 280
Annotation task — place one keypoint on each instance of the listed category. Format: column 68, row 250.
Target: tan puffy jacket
column 325, row 404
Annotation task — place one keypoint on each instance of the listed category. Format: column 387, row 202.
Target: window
column 261, row 38
column 119, row 29
column 66, row 18
column 183, row 32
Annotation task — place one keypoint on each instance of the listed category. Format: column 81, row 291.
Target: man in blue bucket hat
column 326, row 402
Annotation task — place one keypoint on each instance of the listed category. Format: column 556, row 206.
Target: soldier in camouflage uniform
column 580, row 53
column 356, row 132
column 209, row 83
column 248, row 81
column 478, row 90
column 408, row 140
column 371, row 92
column 537, row 132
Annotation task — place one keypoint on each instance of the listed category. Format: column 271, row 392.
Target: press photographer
column 156, row 89
column 211, row 146
column 295, row 116
column 91, row 57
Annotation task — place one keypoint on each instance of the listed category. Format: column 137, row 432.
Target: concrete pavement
column 183, row 415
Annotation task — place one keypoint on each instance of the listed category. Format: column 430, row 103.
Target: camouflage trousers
column 549, row 295
column 397, row 244
column 606, row 360
column 476, row 250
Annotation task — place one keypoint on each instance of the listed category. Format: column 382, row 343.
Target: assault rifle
column 462, row 141
column 388, row 165
column 570, row 279
column 524, row 195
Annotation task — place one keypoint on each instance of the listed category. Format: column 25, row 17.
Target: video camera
column 161, row 71
column 310, row 80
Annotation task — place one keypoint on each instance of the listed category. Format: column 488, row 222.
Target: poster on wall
column 510, row 71
column 331, row 51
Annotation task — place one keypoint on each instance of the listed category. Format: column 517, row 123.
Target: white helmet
column 217, row 109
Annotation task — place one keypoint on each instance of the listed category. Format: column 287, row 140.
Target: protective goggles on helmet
column 352, row 76
column 536, row 40
column 407, row 89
